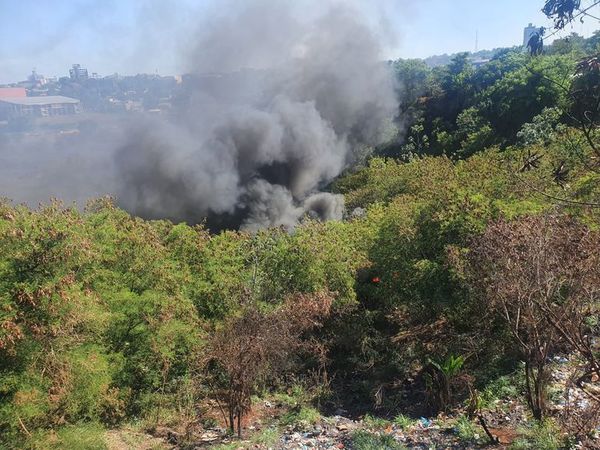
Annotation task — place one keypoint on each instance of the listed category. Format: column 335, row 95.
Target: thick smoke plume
column 281, row 98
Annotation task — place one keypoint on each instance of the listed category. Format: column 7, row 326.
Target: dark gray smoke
column 281, row 98
column 258, row 144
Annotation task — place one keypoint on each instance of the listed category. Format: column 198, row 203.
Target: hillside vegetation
column 468, row 260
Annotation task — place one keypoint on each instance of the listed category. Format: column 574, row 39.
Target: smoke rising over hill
column 294, row 98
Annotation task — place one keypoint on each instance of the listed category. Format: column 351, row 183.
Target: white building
column 78, row 73
column 528, row 32
column 13, row 107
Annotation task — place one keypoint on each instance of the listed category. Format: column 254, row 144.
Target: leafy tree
column 572, row 44
column 585, row 100
column 543, row 128
column 455, row 92
column 561, row 11
column 522, row 94
column 497, row 68
column 415, row 78
column 473, row 132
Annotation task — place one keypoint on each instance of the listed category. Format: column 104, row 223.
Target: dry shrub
column 542, row 274
column 257, row 344
column 580, row 414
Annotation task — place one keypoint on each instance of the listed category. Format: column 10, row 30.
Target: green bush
column 301, row 415
column 544, row 435
column 362, row 440
column 376, row 422
column 88, row 436
column 404, row 422
column 105, row 317
column 86, row 377
column 466, row 430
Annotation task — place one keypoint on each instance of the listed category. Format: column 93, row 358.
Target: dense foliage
column 404, row 307
column 458, row 109
column 106, row 317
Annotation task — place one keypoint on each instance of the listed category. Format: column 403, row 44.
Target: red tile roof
column 12, row 92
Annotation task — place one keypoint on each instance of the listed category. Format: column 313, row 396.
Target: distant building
column 15, row 107
column 12, row 92
column 529, row 31
column 36, row 79
column 78, row 73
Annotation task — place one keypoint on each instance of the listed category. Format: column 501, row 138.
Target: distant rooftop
column 40, row 101
column 12, row 92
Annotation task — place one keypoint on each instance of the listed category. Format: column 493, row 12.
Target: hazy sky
column 131, row 36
